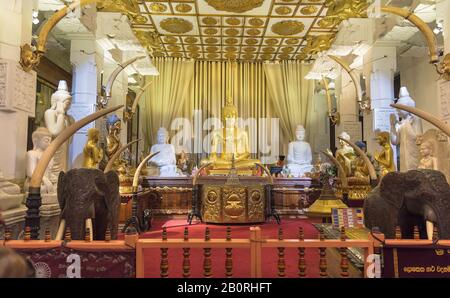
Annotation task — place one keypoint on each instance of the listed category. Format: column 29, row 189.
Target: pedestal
column 14, row 221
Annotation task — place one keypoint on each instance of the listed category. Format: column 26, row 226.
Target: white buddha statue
column 299, row 154
column 166, row 159
column 56, row 120
column 10, row 196
column 41, row 140
column 405, row 133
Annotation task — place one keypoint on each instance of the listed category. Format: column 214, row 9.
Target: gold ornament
column 237, row 6
column 292, row 41
column 340, row 10
column 176, row 25
column 230, row 55
column 176, row 55
column 194, row 55
column 231, row 41
column 170, row 39
column 301, row 56
column 157, row 7
column 210, row 31
column 231, row 32
column 233, row 21
column 287, row 49
column 266, row 56
column 271, row 41
column 256, row 22
column 307, row 10
column 251, row 41
column 183, row 8
column 211, row 40
column 193, row 48
column 283, row 56
column 318, row 43
column 191, row 39
column 249, row 49
column 288, row 27
column 268, row 49
column 209, row 21
column 174, row 48
column 91, row 152
column 283, row 10
column 231, row 49
column 248, row 56
column 212, row 49
column 253, row 32
column 212, row 55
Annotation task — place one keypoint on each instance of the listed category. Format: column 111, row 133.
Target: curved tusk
column 36, row 178
column 138, row 97
column 352, row 76
column 430, row 227
column 110, row 163
column 421, row 25
column 62, row 226
column 113, row 76
column 264, row 168
column 194, row 180
column 426, row 116
column 372, row 172
column 341, row 172
column 89, row 225
column 139, row 168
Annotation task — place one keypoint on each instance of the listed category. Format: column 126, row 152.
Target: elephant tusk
column 62, row 226
column 421, row 25
column 89, row 225
column 341, row 172
column 138, row 170
column 197, row 174
column 264, row 168
column 372, row 172
column 426, row 116
column 36, row 178
column 430, row 228
column 138, row 97
column 110, row 163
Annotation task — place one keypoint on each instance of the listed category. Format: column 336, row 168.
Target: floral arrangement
column 327, row 173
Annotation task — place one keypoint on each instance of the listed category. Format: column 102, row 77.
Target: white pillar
column 17, row 88
column 84, row 90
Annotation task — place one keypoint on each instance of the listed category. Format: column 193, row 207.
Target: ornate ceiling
column 236, row 29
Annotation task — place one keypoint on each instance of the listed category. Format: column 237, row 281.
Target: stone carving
column 56, row 120
column 408, row 199
column 10, row 196
column 434, row 152
column 299, row 154
column 405, row 132
column 166, row 159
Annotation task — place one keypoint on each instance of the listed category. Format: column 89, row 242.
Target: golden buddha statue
column 231, row 142
column 345, row 155
column 385, row 157
column 92, row 153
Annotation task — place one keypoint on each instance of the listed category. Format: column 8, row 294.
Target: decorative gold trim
column 251, row 41
column 256, row 22
column 308, row 10
column 209, row 21
column 283, row 10
column 288, row 27
column 237, row 6
column 176, row 25
column 233, row 21
column 157, row 7
column 183, row 8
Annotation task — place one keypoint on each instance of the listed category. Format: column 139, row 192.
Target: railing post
column 164, row 266
column 228, row 256
column 255, row 252
column 207, row 265
column 281, row 260
column 344, row 259
column 186, row 254
column 301, row 254
column 322, row 256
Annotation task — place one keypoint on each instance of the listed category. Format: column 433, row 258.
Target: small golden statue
column 92, row 153
column 230, row 141
column 385, row 157
column 345, row 155
column 360, row 168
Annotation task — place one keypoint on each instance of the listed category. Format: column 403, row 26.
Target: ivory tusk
column 426, row 116
column 117, row 154
column 372, row 172
column 341, row 172
column 430, row 227
column 264, row 168
column 194, row 180
column 138, row 97
column 139, row 168
column 355, row 80
column 62, row 226
column 89, row 225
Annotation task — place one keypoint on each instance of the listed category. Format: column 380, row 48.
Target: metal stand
column 133, row 225
column 270, row 204
column 32, row 217
column 195, row 211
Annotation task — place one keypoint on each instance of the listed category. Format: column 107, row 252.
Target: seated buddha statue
column 299, row 154
column 385, row 157
column 230, row 142
column 92, row 153
column 359, row 166
column 345, row 155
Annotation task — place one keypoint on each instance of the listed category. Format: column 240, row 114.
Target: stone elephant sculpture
column 88, row 198
column 414, row 198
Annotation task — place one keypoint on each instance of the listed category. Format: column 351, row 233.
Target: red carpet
column 241, row 257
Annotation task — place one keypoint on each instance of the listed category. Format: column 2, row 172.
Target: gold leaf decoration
column 284, row 56
column 176, row 55
column 287, row 49
column 157, row 7
column 231, row 32
column 268, row 49
column 341, row 10
column 233, row 21
column 292, row 41
column 231, row 41
column 271, row 41
column 307, row 10
column 301, row 56
column 170, row 39
column 174, row 48
column 283, row 10
column 212, row 49
column 176, row 25
column 230, row 55
column 231, row 49
column 256, row 22
column 253, row 32
column 194, row 55
column 237, row 6
column 211, row 31
column 191, row 39
column 288, row 27
column 211, row 40
column 209, row 21
column 129, row 6
column 212, row 56
column 248, row 56
column 193, row 48
column 249, row 49
column 266, row 56
column 318, row 43
column 183, row 8
column 251, row 41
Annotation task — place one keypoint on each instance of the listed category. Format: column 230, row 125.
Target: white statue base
column 297, row 170
column 11, row 201
column 168, row 171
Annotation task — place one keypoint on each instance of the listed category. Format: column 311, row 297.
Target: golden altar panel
column 233, row 203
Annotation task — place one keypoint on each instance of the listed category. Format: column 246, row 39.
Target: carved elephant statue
column 88, row 198
column 414, row 198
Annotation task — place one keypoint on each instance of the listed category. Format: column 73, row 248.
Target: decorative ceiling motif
column 249, row 30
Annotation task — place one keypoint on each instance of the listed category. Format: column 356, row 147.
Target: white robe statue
column 299, row 155
column 56, row 120
column 165, row 160
column 405, row 132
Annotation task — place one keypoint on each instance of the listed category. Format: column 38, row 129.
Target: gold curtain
column 164, row 100
column 290, row 94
